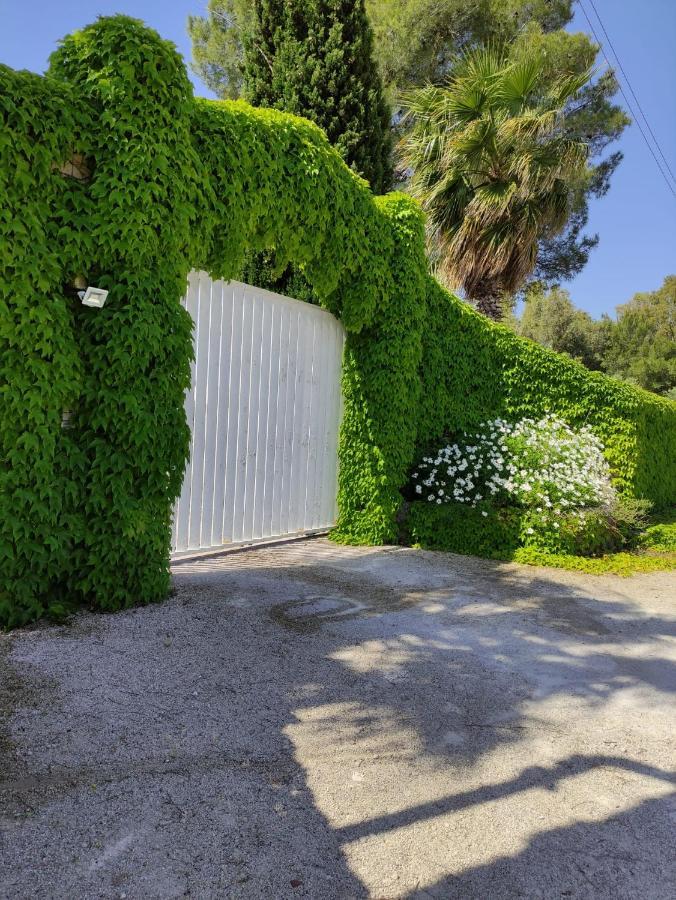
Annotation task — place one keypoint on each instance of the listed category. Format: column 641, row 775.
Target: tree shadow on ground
column 460, row 665
column 611, row 858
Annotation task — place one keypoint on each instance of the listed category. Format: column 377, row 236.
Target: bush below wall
column 461, row 529
column 502, row 535
column 502, row 530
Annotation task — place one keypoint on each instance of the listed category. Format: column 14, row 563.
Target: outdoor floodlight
column 93, row 296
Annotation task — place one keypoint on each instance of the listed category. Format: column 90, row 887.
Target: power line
column 627, row 101
column 633, row 93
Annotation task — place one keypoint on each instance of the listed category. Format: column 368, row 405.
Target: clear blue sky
column 636, row 220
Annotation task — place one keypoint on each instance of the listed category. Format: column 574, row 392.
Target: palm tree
column 493, row 169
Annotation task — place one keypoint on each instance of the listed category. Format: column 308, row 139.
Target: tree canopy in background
column 313, row 58
column 417, row 40
column 643, row 342
column 491, row 167
column 217, row 45
column 551, row 318
column 639, row 346
column 415, row 43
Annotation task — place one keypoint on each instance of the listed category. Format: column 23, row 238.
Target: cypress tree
column 314, row 58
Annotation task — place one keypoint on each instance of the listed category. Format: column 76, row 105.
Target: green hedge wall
column 177, row 183
column 474, row 370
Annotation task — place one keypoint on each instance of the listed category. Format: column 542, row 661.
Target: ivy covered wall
column 173, row 183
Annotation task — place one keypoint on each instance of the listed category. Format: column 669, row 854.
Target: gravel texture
column 317, row 721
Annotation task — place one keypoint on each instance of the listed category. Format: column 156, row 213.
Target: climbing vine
column 93, row 437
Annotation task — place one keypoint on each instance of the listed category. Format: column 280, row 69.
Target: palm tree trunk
column 487, row 298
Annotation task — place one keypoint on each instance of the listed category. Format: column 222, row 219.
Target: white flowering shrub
column 541, row 465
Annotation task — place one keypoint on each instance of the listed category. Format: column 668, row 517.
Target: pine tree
column 314, row 58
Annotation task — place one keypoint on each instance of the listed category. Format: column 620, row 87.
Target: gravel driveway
column 315, row 721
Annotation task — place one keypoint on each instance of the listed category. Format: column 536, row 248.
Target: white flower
column 418, row 489
column 549, row 467
column 483, row 512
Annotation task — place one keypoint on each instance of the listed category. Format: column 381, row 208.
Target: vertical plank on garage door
column 215, row 538
column 292, row 392
column 299, row 454
column 213, row 381
column 284, row 406
column 312, row 411
column 267, row 423
column 242, row 402
column 234, row 390
column 249, row 472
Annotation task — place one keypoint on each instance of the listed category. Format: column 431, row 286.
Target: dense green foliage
column 661, row 534
column 40, row 367
column 499, row 374
column 461, row 529
column 142, row 233
column 314, row 58
column 642, row 344
column 639, row 346
column 592, row 549
column 415, row 42
column 87, row 508
column 622, row 563
column 491, row 169
column 176, row 183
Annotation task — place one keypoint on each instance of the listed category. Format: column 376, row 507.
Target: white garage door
column 264, row 410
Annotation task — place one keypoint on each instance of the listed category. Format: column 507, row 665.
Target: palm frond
column 567, row 88
column 492, row 166
column 518, row 82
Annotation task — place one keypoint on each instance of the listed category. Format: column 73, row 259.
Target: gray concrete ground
column 316, row 721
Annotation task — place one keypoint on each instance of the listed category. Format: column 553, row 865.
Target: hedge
column 476, row 370
column 172, row 183
column 500, row 531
